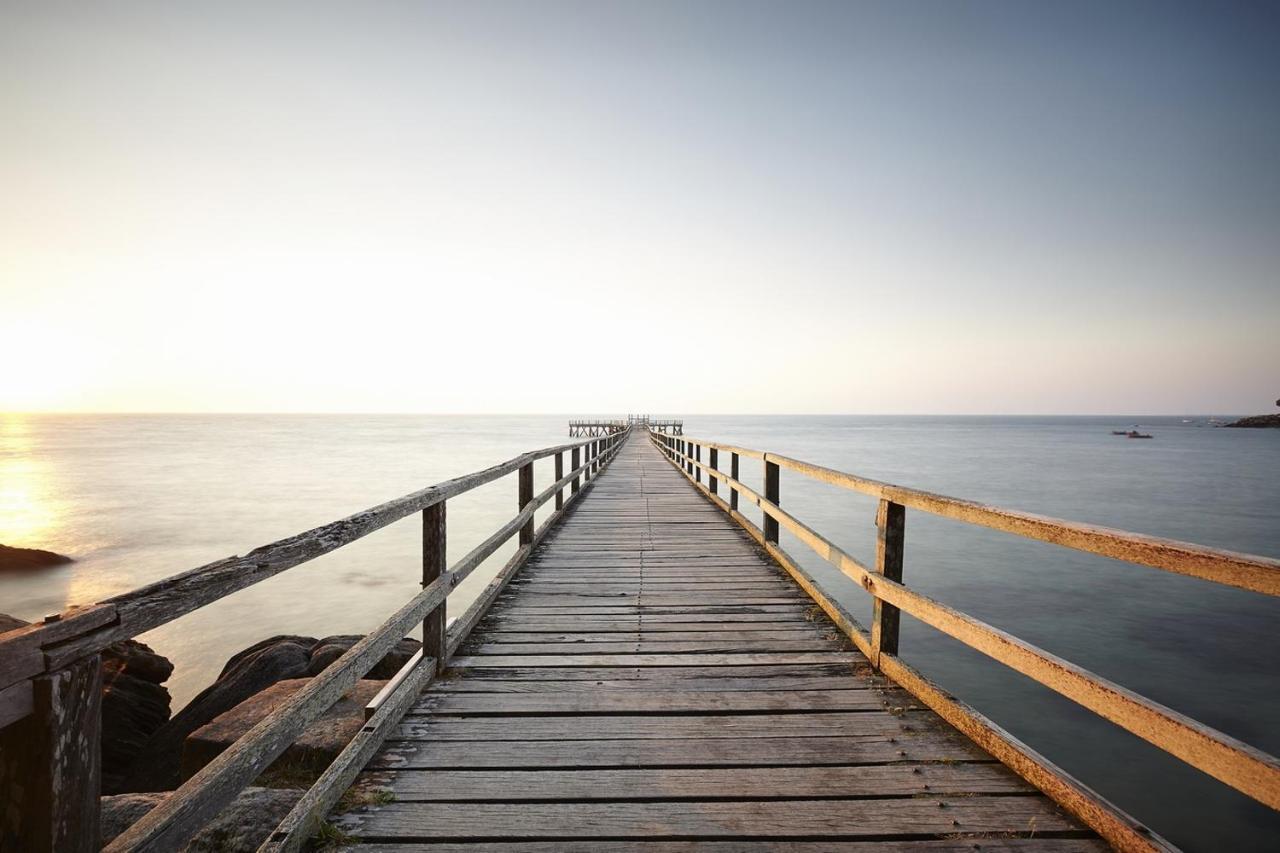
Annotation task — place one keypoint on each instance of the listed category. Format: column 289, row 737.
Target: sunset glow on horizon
column 720, row 207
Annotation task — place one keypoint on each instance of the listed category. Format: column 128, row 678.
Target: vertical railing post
column 559, row 474
column 733, row 472
column 697, row 457
column 433, row 565
column 51, row 764
column 713, row 459
column 575, row 460
column 524, row 496
column 890, row 530
column 771, row 495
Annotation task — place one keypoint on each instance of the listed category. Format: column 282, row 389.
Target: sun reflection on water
column 29, row 510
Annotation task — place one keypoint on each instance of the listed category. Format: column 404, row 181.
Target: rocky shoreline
column 1258, row 422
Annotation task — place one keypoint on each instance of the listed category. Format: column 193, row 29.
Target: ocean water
column 138, row 498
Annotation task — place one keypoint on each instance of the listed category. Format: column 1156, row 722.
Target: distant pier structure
column 590, row 428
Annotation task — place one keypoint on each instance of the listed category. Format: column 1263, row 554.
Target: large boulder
column 240, row 828
column 246, row 674
column 27, row 559
column 308, row 755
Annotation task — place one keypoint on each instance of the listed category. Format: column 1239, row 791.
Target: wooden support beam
column 575, row 461
column 51, row 764
column 733, row 473
column 523, row 498
column 714, row 461
column 771, row 495
column 890, row 529
column 433, row 565
column 559, row 474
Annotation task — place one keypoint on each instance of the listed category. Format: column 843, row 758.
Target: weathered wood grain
column 721, row 783
column 51, row 764
column 981, row 844
column 761, row 819
column 650, row 701
column 675, row 752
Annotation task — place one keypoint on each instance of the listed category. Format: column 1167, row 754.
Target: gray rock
column 240, row 828
column 306, row 757
column 157, row 768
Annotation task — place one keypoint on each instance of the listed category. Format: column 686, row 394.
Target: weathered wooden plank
column 984, row 844
column 653, row 647
column 685, row 685
column 656, row 675
column 891, row 780
column 711, row 819
column 477, row 661
column 800, row 631
column 50, row 764
column 659, row 726
column 16, row 701
column 675, row 752
column 654, row 702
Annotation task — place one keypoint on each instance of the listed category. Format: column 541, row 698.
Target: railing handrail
column 1245, row 768
column 88, row 629
column 1230, row 568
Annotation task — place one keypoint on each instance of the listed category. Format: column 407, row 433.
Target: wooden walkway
column 651, row 680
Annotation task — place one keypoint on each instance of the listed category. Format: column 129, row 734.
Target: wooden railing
column 50, row 673
column 1227, row 759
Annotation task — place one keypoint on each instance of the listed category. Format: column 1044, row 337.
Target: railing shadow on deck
column 1249, row 770
column 50, row 672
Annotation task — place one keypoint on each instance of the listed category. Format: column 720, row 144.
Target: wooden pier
column 653, row 676
column 649, row 670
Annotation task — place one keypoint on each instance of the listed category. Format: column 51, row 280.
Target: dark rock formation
column 1258, row 422
column 247, row 673
column 134, row 704
column 28, row 559
column 240, row 828
column 308, row 756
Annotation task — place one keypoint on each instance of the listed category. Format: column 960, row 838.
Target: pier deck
column 652, row 680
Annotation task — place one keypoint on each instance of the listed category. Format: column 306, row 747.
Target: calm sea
column 137, row 498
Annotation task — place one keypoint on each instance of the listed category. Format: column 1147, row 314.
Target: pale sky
column 591, row 207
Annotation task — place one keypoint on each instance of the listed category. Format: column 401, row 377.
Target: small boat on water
column 1135, row 434
column 1119, row 432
